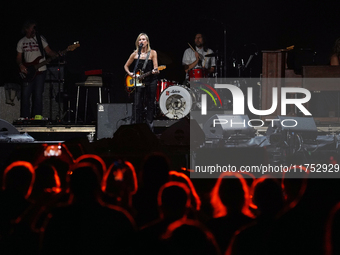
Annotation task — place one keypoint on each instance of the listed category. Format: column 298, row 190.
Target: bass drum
column 177, row 101
column 161, row 86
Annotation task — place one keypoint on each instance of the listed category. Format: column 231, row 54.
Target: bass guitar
column 32, row 67
column 130, row 81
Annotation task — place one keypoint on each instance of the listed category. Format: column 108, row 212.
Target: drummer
column 195, row 58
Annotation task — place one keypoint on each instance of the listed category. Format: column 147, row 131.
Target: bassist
column 29, row 48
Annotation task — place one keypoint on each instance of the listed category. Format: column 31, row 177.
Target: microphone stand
column 135, row 87
column 223, row 65
column 225, row 49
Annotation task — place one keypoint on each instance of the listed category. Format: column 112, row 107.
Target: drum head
column 175, row 102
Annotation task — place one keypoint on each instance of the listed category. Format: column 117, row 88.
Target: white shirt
column 30, row 48
column 189, row 57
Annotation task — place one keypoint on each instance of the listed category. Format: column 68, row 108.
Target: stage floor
column 173, row 140
column 64, row 132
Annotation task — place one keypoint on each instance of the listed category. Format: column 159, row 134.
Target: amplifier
column 110, row 117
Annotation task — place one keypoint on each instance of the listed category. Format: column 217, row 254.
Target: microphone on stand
column 249, row 59
column 140, row 48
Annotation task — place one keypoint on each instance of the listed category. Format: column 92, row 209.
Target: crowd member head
column 85, row 182
column 294, row 185
column 183, row 178
column 94, row 159
column 155, row 171
column 189, row 237
column 120, row 182
column 268, row 197
column 19, row 178
column 174, row 200
column 230, row 195
column 46, row 181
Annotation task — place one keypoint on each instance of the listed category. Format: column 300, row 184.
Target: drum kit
column 175, row 100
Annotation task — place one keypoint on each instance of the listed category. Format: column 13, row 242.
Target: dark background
column 107, row 31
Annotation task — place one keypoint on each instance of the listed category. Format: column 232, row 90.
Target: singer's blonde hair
column 147, row 39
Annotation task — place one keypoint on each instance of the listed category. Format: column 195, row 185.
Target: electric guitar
column 130, row 81
column 32, row 67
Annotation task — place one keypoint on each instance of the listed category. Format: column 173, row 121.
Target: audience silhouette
column 230, row 196
column 260, row 237
column 119, row 184
column 174, row 203
column 17, row 183
column 154, row 173
column 187, row 236
column 86, row 225
column 96, row 205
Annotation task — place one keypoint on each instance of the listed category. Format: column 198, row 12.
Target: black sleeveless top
column 148, row 68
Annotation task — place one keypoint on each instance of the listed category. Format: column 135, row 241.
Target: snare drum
column 177, row 101
column 161, row 86
column 198, row 73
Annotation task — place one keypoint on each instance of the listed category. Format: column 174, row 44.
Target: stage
column 64, row 132
column 183, row 141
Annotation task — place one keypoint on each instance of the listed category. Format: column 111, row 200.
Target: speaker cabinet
column 7, row 129
column 135, row 137
column 9, row 112
column 304, row 126
column 221, row 126
column 185, row 132
column 110, row 117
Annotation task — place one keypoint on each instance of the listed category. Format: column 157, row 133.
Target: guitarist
column 29, row 48
column 144, row 94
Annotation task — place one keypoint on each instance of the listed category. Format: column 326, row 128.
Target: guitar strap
column 40, row 44
column 146, row 61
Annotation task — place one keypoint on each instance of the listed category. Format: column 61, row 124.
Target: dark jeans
column 34, row 89
column 145, row 97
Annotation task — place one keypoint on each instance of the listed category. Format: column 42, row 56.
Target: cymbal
column 163, row 58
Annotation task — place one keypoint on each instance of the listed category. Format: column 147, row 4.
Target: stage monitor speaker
column 110, row 117
column 9, row 112
column 135, row 137
column 7, row 129
column 184, row 132
column 221, row 126
column 304, row 126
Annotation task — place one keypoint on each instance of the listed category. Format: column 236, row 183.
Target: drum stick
column 191, row 47
column 196, row 51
